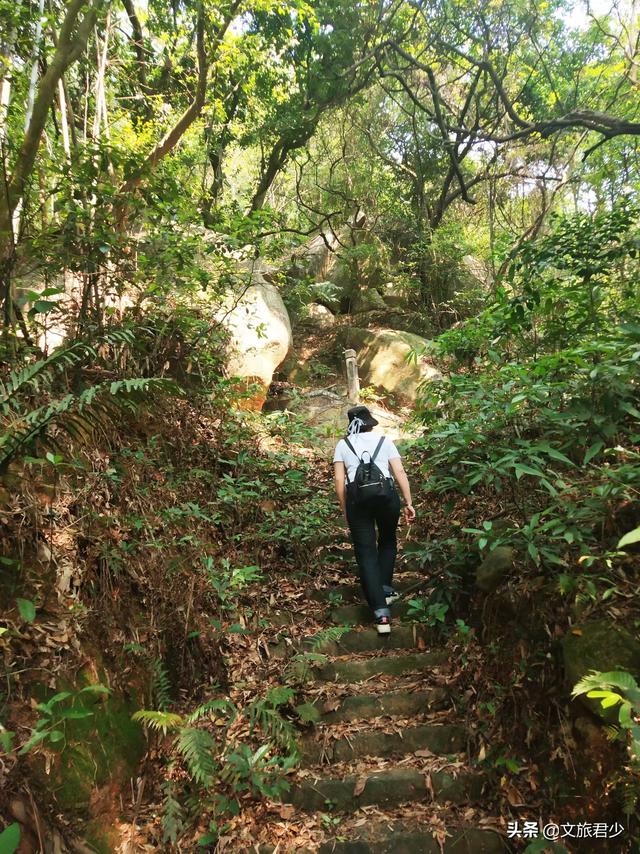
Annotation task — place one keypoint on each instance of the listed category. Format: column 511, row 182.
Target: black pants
column 375, row 559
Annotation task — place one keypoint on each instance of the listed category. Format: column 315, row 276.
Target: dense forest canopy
column 202, row 206
column 272, row 121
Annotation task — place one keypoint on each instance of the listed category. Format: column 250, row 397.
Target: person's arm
column 339, row 479
column 397, row 469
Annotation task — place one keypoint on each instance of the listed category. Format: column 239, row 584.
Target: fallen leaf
column 358, row 789
column 287, row 811
column 331, row 705
column 429, row 784
column 424, row 752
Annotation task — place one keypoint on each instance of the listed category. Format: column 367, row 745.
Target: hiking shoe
column 383, row 625
column 392, row 597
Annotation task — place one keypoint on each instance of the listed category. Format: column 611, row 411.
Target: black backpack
column 369, row 482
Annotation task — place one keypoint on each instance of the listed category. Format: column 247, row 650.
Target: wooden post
column 353, row 381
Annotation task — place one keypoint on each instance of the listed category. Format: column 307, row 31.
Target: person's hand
column 409, row 513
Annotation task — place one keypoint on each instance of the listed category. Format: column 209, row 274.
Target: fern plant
column 161, row 685
column 264, row 714
column 613, row 689
column 78, row 415
column 39, row 375
column 619, row 688
column 326, row 638
column 172, row 814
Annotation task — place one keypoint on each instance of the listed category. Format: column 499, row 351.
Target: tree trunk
column 71, row 43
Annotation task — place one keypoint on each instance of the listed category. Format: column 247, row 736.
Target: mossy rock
column 384, row 360
column 100, row 755
column 497, row 564
column 599, row 645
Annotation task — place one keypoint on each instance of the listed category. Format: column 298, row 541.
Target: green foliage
column 616, row 689
column 330, row 635
column 198, row 748
column 78, row 415
column 265, row 715
column 161, row 686
column 548, row 417
column 172, row 814
column 211, row 758
column 619, row 689
column 54, row 714
column 10, row 839
column 26, row 609
column 161, row 721
column 430, row 613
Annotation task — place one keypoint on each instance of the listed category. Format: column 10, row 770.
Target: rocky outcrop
column 383, row 360
column 259, row 329
column 496, row 565
column 320, row 315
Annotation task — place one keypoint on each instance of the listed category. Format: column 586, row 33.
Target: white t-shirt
column 365, row 442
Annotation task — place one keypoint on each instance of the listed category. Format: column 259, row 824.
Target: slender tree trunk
column 31, row 97
column 72, row 41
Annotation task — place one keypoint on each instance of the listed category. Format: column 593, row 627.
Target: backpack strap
column 351, row 448
column 378, row 446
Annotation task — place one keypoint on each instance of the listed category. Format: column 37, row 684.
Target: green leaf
column 10, row 839
column 6, row 740
column 307, row 713
column 279, row 696
column 521, row 469
column 592, row 452
column 628, row 539
column 56, row 735
column 95, row 689
column 607, row 698
column 27, row 610
column 34, row 739
column 43, row 306
column 74, row 714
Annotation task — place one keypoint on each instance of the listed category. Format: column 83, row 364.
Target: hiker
column 365, row 465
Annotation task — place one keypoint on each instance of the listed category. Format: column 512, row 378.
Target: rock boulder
column 494, row 567
column 259, row 332
column 382, row 360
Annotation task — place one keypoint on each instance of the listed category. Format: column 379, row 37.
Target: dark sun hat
column 359, row 417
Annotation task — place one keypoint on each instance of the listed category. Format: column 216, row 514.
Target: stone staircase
column 385, row 740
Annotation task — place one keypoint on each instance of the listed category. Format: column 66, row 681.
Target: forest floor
column 498, row 679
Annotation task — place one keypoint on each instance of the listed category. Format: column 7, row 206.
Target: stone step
column 357, row 671
column 438, row 738
column 350, row 593
column 360, row 615
column 386, row 788
column 368, row 640
column 401, row 704
column 469, row 840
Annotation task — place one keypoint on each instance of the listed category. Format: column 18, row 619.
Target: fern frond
column 630, row 796
column 272, row 725
column 211, row 707
column 596, row 680
column 326, row 637
column 198, row 747
column 78, row 415
column 172, row 815
column 159, row 721
column 40, row 373
column 161, row 685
